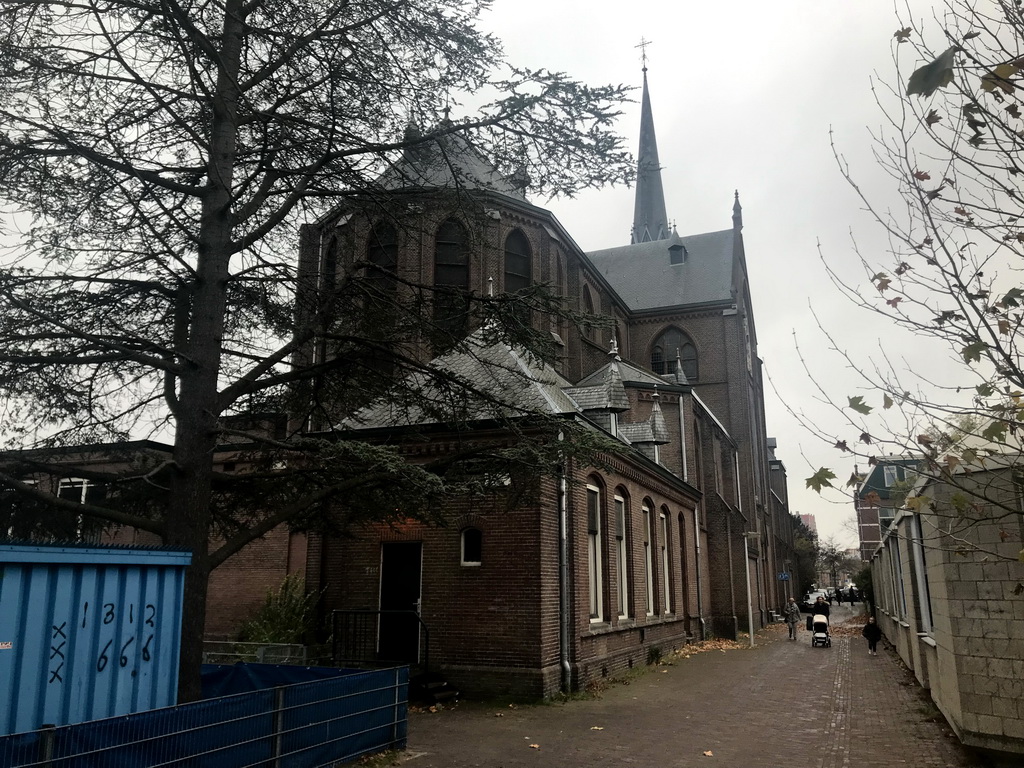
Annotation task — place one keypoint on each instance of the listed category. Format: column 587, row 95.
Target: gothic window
column 451, row 279
column 667, row 347
column 588, row 307
column 517, row 262
column 518, row 268
column 329, row 273
column 382, row 255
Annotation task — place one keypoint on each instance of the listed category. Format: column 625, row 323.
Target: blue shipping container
column 87, row 632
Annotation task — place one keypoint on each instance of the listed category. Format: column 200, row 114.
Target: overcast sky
column 745, row 94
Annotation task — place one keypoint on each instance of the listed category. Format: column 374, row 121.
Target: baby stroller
column 820, row 636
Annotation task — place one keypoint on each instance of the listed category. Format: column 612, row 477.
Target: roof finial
column 680, row 376
column 614, row 351
column 737, row 212
column 644, row 42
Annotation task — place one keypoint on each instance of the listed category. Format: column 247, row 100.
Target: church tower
column 649, row 219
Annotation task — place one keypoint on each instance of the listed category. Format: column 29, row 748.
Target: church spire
column 649, row 219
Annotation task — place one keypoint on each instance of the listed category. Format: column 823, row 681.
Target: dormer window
column 677, row 254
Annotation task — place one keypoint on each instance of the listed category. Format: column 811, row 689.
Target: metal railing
column 217, row 652
column 304, row 725
column 355, row 640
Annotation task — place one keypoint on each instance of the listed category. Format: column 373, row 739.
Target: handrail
column 336, row 639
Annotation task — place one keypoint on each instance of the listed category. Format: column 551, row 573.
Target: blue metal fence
column 304, row 725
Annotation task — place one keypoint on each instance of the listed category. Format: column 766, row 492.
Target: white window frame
column 896, row 564
column 920, row 567
column 889, row 476
column 648, row 559
column 83, row 485
column 594, row 554
column 622, row 556
column 665, row 571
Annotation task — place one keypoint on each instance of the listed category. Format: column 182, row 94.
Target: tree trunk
column 189, row 520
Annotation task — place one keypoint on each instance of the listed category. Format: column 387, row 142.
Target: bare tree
column 953, row 145
column 166, row 154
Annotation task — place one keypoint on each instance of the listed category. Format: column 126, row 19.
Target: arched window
column 667, row 347
column 451, row 279
column 329, row 272
column 517, row 262
column 622, row 559
column 594, row 514
column 518, row 269
column 588, row 307
column 648, row 557
column 684, row 567
column 666, row 569
column 382, row 254
column 472, row 546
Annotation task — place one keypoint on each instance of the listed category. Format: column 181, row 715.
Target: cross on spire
column 644, row 42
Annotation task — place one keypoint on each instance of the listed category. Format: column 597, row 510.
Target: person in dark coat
column 873, row 633
column 820, row 606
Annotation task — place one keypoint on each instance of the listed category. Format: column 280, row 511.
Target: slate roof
column 653, row 430
column 630, row 372
column 450, row 162
column 516, row 382
column 644, row 278
column 603, row 390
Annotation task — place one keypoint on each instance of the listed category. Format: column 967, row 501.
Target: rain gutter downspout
column 563, row 577
column 700, row 599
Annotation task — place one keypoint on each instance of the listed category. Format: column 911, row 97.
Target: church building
column 682, row 535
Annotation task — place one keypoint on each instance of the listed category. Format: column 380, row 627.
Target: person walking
column 873, row 633
column 839, row 596
column 792, row 615
column 821, row 607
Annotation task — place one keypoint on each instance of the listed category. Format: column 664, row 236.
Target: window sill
column 927, row 639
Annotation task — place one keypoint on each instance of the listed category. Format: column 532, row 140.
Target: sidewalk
column 781, row 703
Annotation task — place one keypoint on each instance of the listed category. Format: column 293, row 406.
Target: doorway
column 398, row 637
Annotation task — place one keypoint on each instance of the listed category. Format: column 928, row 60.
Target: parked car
column 810, row 599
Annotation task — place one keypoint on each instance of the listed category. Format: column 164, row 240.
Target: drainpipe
column 563, row 577
column 700, row 598
column 682, row 441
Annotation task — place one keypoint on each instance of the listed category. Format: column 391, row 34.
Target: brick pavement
column 781, row 703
